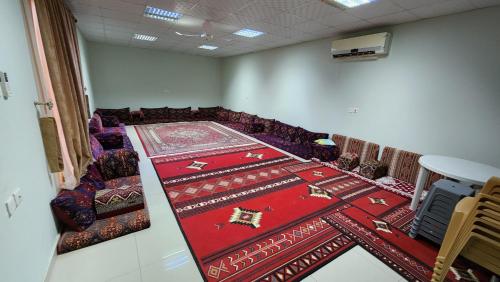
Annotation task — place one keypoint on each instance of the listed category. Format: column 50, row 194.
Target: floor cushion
column 348, row 161
column 95, row 124
column 120, row 200
column 74, row 209
column 122, row 114
column 399, row 186
column 154, row 113
column 372, row 169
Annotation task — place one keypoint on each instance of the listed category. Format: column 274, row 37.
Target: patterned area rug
column 166, row 139
column 256, row 214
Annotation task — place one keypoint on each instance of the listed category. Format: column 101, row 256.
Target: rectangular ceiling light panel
column 160, row 14
column 352, row 3
column 208, row 47
column 145, row 37
column 246, row 32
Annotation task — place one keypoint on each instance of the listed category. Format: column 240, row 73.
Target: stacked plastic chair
column 473, row 232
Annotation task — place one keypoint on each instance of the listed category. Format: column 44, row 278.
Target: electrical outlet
column 18, row 197
column 353, row 110
column 10, row 206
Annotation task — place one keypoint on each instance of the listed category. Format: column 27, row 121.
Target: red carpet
column 164, row 139
column 256, row 214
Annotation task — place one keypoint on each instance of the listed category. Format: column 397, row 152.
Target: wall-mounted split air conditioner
column 367, row 47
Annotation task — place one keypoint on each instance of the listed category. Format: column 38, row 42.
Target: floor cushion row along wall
column 108, row 202
column 397, row 169
column 295, row 140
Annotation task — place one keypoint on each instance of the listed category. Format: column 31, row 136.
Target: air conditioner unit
column 367, row 47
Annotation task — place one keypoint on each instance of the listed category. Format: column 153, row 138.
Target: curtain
column 60, row 44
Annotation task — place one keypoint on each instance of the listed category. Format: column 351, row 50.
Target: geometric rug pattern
column 257, row 214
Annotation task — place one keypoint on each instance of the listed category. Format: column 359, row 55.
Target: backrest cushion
column 155, row 113
column 122, row 114
column 366, row 151
column 285, row 131
column 74, row 209
column 93, row 177
column 222, row 115
column 301, row 136
column 268, row 124
column 234, row 116
column 118, row 163
column 179, row 113
column 95, row 124
column 401, row 164
column 247, row 118
column 209, row 112
column 95, row 147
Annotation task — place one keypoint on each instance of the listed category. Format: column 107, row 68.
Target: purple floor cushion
column 74, row 209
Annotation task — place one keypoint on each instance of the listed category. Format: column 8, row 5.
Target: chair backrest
column 402, row 165
column 366, row 151
column 492, row 187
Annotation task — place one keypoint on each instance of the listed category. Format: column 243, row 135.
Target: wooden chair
column 473, row 232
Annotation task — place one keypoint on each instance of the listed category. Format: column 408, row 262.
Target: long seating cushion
column 122, row 114
column 95, row 147
column 118, row 129
column 179, row 114
column 150, row 114
column 111, row 202
column 74, row 209
column 110, row 140
column 103, row 230
column 236, row 126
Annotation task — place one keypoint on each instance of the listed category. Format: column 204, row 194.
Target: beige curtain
column 60, row 43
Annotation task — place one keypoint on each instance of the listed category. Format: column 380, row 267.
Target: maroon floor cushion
column 74, row 209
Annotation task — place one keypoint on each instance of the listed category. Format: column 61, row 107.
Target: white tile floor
column 161, row 254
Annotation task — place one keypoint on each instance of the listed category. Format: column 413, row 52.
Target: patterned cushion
column 110, row 121
column 234, row 116
column 110, row 140
column 402, row 165
column 348, row 161
column 120, row 200
column 118, row 163
column 122, row 114
column 372, row 169
column 236, row 126
column 301, row 136
column 120, row 129
column 208, row 113
column 280, row 129
column 222, row 115
column 155, row 113
column 325, row 153
column 74, row 209
column 95, row 147
column 247, row 118
column 95, row 124
column 179, row 114
column 93, row 177
column 103, row 230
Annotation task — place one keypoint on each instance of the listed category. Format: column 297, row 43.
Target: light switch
column 18, row 197
column 10, row 206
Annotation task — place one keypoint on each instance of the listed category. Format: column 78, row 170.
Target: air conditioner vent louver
column 368, row 46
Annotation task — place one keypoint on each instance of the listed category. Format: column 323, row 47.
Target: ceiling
column 285, row 22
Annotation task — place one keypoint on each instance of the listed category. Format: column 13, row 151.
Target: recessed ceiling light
column 349, row 3
column 160, row 14
column 145, row 37
column 208, row 47
column 246, row 32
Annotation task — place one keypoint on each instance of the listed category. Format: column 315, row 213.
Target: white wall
column 437, row 92
column 135, row 77
column 27, row 240
column 84, row 62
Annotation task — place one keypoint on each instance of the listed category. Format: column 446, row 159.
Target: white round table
column 462, row 170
